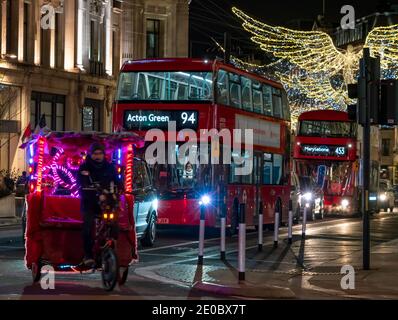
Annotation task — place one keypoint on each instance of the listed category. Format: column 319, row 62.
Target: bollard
column 290, row 227
column 304, row 226
column 242, row 242
column 260, row 227
column 223, row 225
column 276, row 227
column 201, row 233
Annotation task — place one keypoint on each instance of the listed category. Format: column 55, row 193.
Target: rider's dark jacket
column 102, row 173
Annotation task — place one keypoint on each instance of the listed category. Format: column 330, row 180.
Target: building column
column 3, row 21
column 80, row 35
column 20, row 30
column 108, row 38
column 69, row 57
column 36, row 15
column 182, row 19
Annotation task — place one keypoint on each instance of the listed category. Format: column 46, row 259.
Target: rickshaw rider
column 95, row 169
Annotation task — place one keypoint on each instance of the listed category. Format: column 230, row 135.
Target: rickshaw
column 54, row 221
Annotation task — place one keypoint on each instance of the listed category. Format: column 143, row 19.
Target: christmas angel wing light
column 383, row 42
column 312, row 51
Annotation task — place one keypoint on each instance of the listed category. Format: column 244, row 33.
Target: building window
column 12, row 27
column 385, row 147
column 26, row 15
column 152, row 38
column 45, row 50
column 91, row 119
column 50, row 105
column 59, row 43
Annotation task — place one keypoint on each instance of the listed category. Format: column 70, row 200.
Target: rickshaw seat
column 61, row 212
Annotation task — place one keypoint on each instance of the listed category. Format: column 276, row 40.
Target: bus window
column 222, row 88
column 277, row 102
column 142, row 92
column 277, row 169
column 285, row 105
column 247, row 179
column 257, row 97
column 167, row 86
column 156, row 83
column 182, row 92
column 267, row 169
column 125, row 86
column 235, row 90
column 267, row 99
column 233, row 177
column 247, row 94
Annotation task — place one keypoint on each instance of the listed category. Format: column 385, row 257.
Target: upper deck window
column 333, row 129
column 165, row 86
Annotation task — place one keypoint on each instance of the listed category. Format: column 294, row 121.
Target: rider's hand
column 84, row 173
column 102, row 197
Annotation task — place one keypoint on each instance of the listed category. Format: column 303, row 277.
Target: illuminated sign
column 159, row 119
column 324, row 150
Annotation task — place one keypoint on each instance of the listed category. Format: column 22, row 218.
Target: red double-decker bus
column 325, row 152
column 200, row 94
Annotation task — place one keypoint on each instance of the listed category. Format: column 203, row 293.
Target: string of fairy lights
column 313, row 71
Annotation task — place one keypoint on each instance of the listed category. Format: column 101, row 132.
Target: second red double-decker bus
column 325, row 151
column 197, row 95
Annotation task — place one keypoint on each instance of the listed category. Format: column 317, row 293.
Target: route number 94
column 188, row 117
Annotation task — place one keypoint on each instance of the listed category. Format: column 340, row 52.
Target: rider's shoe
column 88, row 262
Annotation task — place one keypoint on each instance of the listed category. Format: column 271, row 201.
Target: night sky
column 211, row 18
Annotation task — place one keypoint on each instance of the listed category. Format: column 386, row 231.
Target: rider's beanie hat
column 96, row 146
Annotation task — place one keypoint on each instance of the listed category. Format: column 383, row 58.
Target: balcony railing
column 97, row 68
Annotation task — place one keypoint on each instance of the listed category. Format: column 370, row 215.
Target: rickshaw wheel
column 110, row 269
column 123, row 274
column 36, row 272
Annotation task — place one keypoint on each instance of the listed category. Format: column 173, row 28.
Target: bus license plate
column 163, row 221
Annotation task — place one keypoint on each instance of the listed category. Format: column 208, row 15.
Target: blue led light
column 31, row 150
column 119, row 153
column 30, row 161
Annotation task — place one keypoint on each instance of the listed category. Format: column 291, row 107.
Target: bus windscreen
column 165, row 86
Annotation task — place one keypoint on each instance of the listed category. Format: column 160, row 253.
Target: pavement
column 283, row 272
column 309, row 268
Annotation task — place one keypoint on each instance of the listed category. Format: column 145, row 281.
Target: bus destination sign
column 323, row 150
column 159, row 119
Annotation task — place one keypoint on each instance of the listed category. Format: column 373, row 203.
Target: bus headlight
column 308, row 196
column 383, row 197
column 155, row 204
column 205, row 200
column 345, row 203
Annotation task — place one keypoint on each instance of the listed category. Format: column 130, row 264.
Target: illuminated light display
column 313, row 71
column 40, row 164
column 129, row 169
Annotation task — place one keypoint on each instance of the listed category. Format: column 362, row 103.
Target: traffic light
column 388, row 102
column 367, row 90
column 352, row 112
